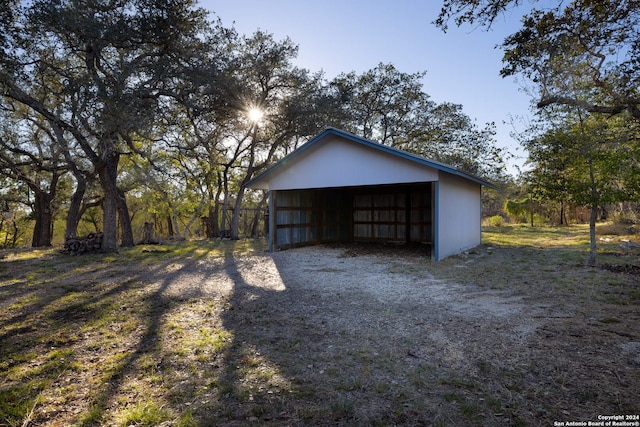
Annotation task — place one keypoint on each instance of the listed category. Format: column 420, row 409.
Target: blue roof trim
column 393, row 151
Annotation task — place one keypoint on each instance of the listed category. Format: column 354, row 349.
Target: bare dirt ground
column 327, row 336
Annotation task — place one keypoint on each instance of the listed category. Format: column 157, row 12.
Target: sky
column 340, row 36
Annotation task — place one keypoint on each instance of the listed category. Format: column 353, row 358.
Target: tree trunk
column 235, row 218
column 126, row 232
column 108, row 173
column 208, row 221
column 196, row 215
column 213, row 226
column 114, row 204
column 211, row 222
column 42, row 231
column 14, row 240
column 591, row 262
column 175, row 223
column 109, row 223
column 225, row 203
column 75, row 205
column 531, row 210
column 170, row 231
column 149, row 235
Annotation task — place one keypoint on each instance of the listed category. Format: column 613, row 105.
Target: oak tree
column 596, row 42
column 119, row 61
column 586, row 160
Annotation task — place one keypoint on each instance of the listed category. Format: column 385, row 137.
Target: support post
column 272, row 219
column 435, row 206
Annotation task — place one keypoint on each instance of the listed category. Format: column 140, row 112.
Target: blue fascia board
column 393, row 151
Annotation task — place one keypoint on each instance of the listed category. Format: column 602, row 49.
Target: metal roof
column 372, row 144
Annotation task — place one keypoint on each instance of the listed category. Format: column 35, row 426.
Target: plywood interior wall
column 390, row 213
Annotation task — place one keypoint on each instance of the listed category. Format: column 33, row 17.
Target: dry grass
column 515, row 332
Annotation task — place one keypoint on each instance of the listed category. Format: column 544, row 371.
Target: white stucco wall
column 459, row 215
column 339, row 162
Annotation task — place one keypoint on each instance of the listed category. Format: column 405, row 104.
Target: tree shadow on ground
column 316, row 355
column 74, row 330
column 208, row 336
column 268, row 377
column 299, row 357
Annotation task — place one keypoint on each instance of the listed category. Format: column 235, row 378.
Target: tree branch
column 630, row 105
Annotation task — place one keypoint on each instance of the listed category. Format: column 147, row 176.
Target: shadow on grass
column 204, row 335
column 272, row 375
column 75, row 328
column 300, row 357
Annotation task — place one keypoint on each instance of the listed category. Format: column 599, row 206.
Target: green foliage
column 14, row 232
column 187, row 420
column 587, row 161
column 145, row 413
column 98, row 85
column 16, row 402
column 390, row 107
column 518, row 209
column 496, row 221
column 93, row 416
column 590, row 44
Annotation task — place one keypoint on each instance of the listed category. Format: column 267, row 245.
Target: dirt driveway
column 376, row 336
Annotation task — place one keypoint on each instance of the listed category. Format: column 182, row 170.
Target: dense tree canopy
column 126, row 103
column 97, row 73
column 390, row 107
column 30, row 155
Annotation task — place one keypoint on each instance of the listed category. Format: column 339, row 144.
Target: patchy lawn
column 515, row 332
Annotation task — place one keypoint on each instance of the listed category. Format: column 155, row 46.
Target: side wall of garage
column 459, row 213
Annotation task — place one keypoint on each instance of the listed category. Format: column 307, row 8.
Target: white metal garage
column 339, row 187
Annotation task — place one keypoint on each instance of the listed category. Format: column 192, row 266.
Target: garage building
column 339, row 187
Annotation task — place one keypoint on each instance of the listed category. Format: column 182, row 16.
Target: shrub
column 628, row 218
column 617, row 228
column 495, row 221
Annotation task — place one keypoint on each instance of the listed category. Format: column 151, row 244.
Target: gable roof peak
column 330, row 130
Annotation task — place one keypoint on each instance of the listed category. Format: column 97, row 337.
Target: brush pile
column 90, row 243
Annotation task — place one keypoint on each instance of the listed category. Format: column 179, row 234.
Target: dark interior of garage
column 388, row 213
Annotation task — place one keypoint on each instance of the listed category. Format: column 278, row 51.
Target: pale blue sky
column 355, row 35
